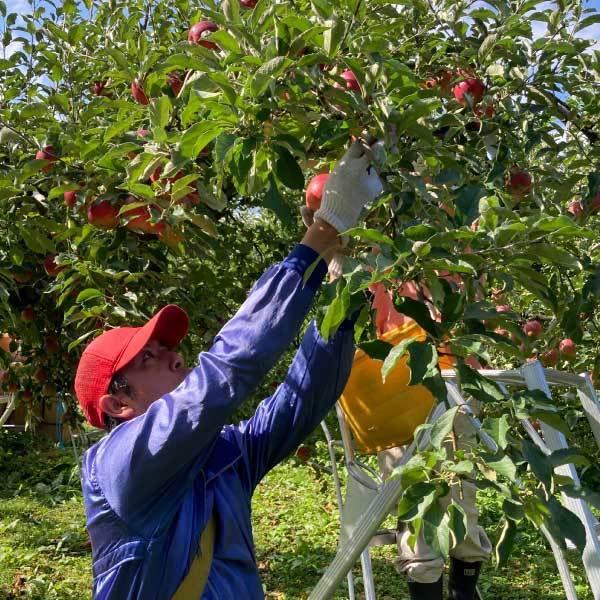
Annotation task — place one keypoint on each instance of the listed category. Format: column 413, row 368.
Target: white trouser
column 423, row 564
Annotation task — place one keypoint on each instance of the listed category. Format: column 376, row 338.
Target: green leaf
column 223, row 145
column 501, row 464
column 267, row 73
column 333, row 35
column 121, row 60
column 88, row 294
column 540, row 463
column 393, row 356
column 274, row 201
column 416, row 500
column 436, row 529
column 423, row 362
column 513, row 509
column 36, row 240
column 336, row 313
column 418, row 312
column 506, row 542
column 487, row 45
column 552, row 254
column 442, row 427
column 198, row 136
column 565, row 525
column 160, row 111
column 287, row 169
column 370, row 235
column 498, row 428
column 457, row 523
column 588, row 22
column 479, row 387
column 377, row 349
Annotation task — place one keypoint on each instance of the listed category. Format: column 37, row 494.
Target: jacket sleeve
column 146, row 464
column 311, row 387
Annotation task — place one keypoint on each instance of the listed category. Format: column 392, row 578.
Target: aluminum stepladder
column 531, row 375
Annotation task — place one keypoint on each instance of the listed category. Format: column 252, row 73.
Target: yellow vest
column 193, row 584
column 383, row 415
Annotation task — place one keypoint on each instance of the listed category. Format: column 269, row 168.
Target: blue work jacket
column 150, row 485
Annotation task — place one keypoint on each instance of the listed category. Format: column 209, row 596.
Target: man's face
column 154, row 372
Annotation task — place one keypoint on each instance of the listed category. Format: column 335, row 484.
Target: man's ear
column 115, row 407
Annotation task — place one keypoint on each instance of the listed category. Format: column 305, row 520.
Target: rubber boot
column 426, row 591
column 463, row 580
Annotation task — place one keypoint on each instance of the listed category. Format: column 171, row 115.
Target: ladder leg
column 535, row 379
column 367, row 571
column 563, row 567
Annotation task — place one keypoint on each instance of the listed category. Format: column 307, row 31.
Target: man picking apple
column 167, row 492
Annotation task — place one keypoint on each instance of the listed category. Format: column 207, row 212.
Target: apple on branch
column 314, row 191
column 199, row 31
column 103, row 214
column 47, row 153
column 138, row 93
column 469, row 91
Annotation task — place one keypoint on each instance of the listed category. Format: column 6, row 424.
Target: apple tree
column 157, row 152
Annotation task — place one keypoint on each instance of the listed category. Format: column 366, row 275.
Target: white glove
column 351, row 185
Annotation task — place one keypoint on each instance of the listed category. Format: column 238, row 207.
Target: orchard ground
column 45, row 553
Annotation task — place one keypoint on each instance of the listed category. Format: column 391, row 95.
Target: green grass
column 44, row 552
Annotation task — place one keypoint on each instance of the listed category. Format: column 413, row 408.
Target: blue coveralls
column 152, row 483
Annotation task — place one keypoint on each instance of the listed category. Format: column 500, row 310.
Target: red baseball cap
column 115, row 349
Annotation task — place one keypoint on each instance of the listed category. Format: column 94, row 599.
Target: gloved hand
column 352, row 184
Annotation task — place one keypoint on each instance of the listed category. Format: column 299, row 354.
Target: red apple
column 351, row 81
column 27, row 395
column 568, row 349
column 47, row 153
column 314, row 191
column 137, row 91
column 98, row 88
column 51, row 343
column 304, row 453
column 248, row 3
column 139, row 220
column 50, row 266
column 474, row 88
column 171, row 237
column 28, row 314
column 103, row 214
column 70, row 198
column 197, row 32
column 550, row 357
column 440, row 80
column 575, row 208
column 518, row 183
column 533, row 329
column 175, row 83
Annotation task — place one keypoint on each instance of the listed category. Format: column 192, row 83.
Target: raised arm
column 311, row 387
column 145, row 463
